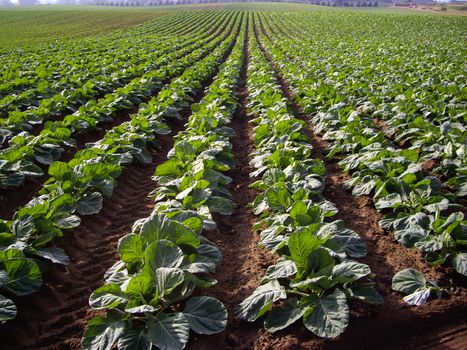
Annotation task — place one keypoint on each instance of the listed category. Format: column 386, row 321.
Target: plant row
column 20, row 159
column 417, row 106
column 148, row 294
column 314, row 277
column 77, row 188
column 37, row 74
column 419, row 213
column 82, row 86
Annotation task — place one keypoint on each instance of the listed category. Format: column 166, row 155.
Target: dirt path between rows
column 244, row 263
column 55, row 317
column 373, row 327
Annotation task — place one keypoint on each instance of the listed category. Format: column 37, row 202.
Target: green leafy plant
column 313, row 278
column 417, row 289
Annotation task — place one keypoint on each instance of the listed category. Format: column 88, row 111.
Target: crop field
column 27, row 27
column 232, row 176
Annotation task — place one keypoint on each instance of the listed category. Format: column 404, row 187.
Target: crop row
column 19, row 160
column 398, row 130
column 416, row 106
column 417, row 210
column 314, row 275
column 69, row 64
column 148, row 294
column 78, row 187
column 82, row 85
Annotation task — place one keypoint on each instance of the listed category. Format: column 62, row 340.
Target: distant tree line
column 8, row 3
column 343, row 3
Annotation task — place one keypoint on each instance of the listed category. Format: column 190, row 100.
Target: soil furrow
column 393, row 319
column 244, row 263
column 54, row 324
column 428, row 165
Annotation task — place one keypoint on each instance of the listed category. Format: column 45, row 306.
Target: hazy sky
column 41, row 1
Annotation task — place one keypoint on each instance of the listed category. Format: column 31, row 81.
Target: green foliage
column 389, row 122
column 314, row 276
column 148, row 294
column 78, row 186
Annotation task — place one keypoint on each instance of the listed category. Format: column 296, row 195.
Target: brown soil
column 429, row 165
column 394, row 322
column 11, row 199
column 383, row 126
column 55, row 317
column 452, row 337
column 244, row 263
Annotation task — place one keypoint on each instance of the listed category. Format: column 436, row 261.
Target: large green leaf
column 90, row 204
column 278, row 198
column 365, row 292
column 408, row 281
column 205, row 315
column 283, row 316
column 221, row 205
column 54, row 254
column 130, row 248
column 167, row 279
column 103, row 332
column 349, row 271
column 283, row 269
column 301, row 245
column 69, row 222
column 169, row 331
column 139, row 285
column 352, row 244
column 299, row 213
column 162, row 254
column 328, row 316
column 206, row 259
column 24, row 276
column 23, row 227
column 159, row 226
column 134, row 340
column 390, row 201
column 260, row 301
column 7, row 309
column 321, row 262
column 107, row 296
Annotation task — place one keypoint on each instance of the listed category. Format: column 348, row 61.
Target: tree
column 5, row 3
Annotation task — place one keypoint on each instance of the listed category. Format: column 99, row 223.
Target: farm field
column 32, row 25
column 232, row 176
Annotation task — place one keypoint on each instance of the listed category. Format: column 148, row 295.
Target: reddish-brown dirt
column 55, row 317
column 13, row 198
column 244, row 263
column 394, row 323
